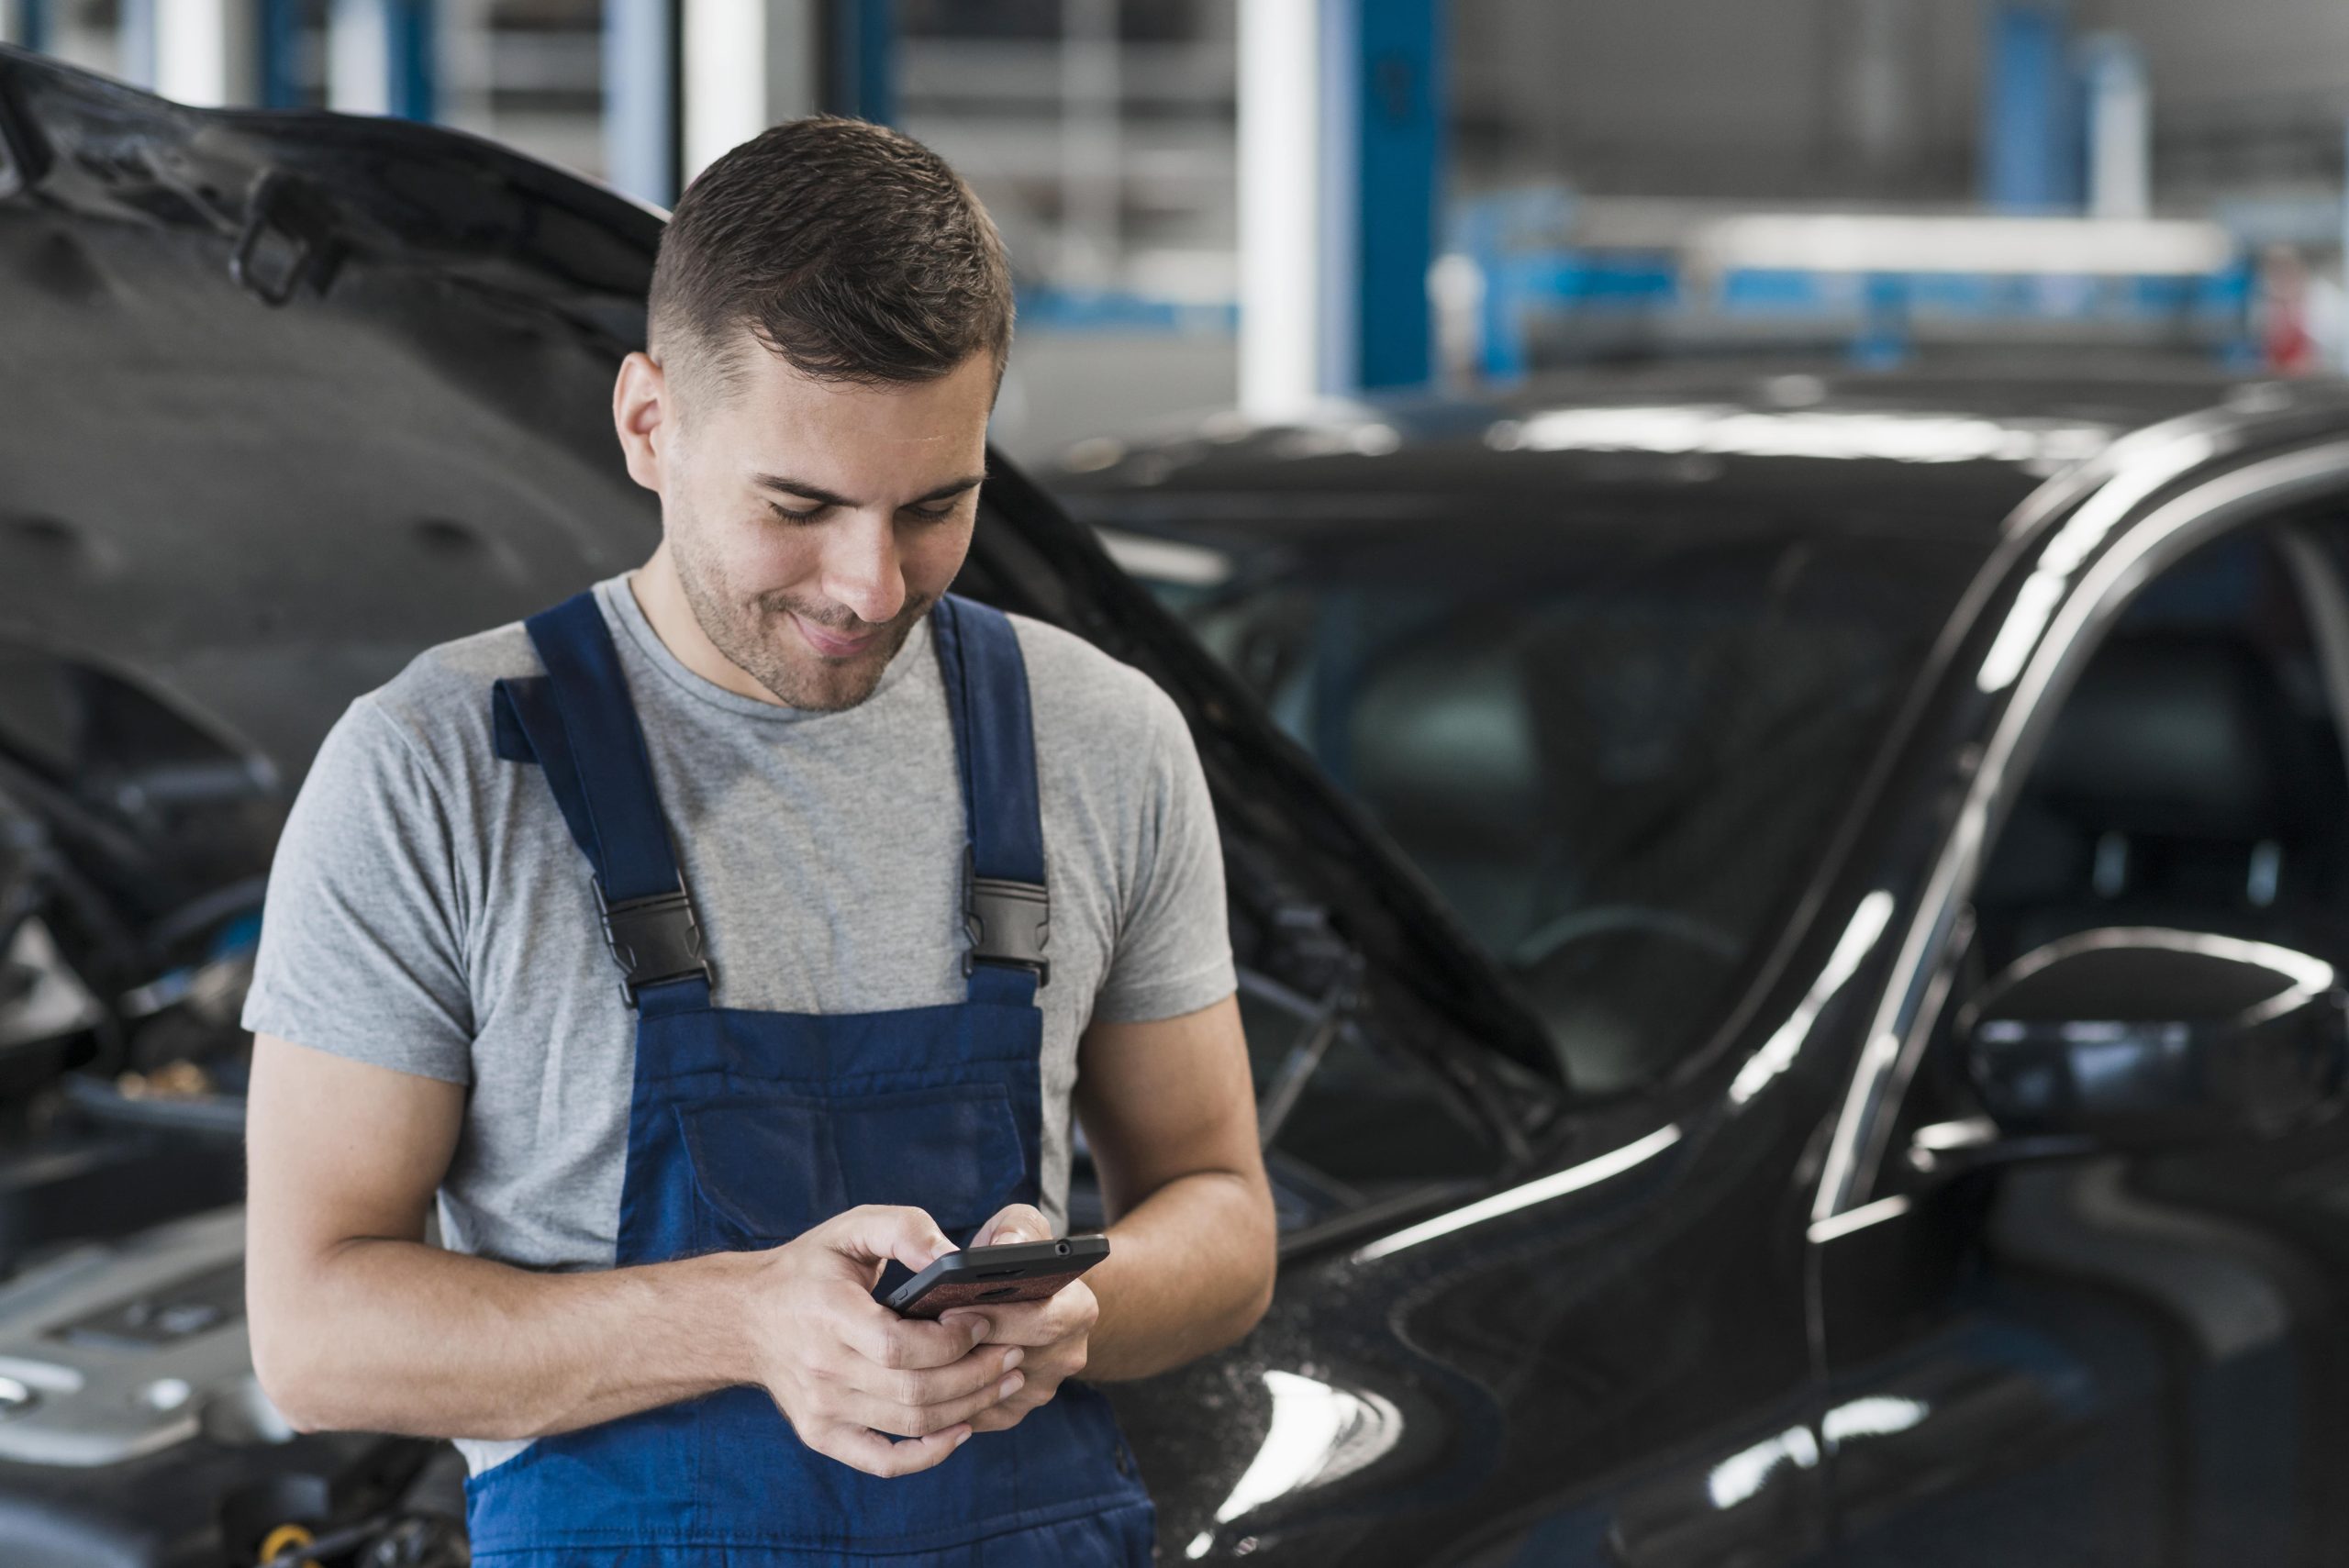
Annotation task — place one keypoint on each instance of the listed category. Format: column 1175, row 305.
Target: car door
column 2056, row 1351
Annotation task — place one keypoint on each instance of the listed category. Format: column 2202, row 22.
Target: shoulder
column 1076, row 686
column 446, row 672
column 436, row 710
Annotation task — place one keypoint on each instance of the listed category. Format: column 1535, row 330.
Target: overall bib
column 747, row 1127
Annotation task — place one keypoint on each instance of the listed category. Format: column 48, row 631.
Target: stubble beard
column 756, row 635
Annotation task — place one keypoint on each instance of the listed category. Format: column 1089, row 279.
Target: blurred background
column 1271, row 201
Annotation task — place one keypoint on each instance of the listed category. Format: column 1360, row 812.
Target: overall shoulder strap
column 578, row 723
column 1004, row 904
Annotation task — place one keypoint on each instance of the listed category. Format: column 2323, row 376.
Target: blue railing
column 1529, row 272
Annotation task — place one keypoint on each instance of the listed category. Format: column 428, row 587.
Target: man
column 716, row 937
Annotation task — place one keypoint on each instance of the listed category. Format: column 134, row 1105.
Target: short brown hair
column 851, row 251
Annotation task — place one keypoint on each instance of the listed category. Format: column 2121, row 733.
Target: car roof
column 1946, row 453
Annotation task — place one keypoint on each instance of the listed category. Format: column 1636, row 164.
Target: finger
column 885, row 1339
column 878, row 1455
column 1008, row 1413
column 1072, row 1310
column 977, row 1371
column 875, row 1233
column 919, row 1420
column 1029, row 1323
column 1012, row 1222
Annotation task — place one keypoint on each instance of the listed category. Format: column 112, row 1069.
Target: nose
column 861, row 569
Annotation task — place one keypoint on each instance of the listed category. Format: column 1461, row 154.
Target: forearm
column 1189, row 1271
column 382, row 1334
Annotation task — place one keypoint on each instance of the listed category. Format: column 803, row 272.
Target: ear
column 644, row 417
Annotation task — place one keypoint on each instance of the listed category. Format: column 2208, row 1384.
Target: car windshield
column 1619, row 755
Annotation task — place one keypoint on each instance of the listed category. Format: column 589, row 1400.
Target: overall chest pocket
column 766, row 1168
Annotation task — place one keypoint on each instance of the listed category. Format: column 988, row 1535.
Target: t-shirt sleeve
column 361, row 952
column 1173, row 944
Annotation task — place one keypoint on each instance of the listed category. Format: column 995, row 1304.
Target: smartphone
column 980, row 1276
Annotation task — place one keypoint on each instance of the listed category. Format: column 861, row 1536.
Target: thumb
column 1013, row 1222
column 878, row 1232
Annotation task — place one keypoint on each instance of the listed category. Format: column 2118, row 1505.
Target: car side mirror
column 2150, row 1038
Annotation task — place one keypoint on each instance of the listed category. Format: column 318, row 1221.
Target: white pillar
column 207, row 52
column 1881, row 82
column 640, row 120
column 748, row 64
column 2121, row 129
column 1092, row 192
column 359, row 57
column 12, row 21
column 1280, row 205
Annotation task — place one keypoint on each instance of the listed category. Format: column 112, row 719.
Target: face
column 809, row 524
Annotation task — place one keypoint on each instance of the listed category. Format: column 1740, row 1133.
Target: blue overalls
column 747, row 1127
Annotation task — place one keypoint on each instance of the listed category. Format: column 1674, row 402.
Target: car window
column 1360, row 1095
column 1618, row 755
column 2193, row 779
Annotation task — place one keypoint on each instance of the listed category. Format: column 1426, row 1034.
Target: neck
column 663, row 599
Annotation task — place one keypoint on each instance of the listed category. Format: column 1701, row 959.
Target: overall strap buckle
column 655, row 939
column 1009, row 922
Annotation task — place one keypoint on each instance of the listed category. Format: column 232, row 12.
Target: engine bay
column 133, row 1433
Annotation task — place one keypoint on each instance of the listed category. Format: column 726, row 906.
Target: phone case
column 1027, row 1271
column 984, row 1293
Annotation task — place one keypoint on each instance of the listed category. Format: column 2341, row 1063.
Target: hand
column 1054, row 1332
column 847, row 1372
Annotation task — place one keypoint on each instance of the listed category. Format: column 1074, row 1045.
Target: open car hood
column 292, row 396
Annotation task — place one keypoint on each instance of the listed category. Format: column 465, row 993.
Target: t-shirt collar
column 620, row 606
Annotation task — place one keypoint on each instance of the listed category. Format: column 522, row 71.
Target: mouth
column 831, row 645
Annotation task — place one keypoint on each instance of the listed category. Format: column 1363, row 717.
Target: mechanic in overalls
column 754, row 919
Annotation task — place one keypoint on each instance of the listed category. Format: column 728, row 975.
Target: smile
column 826, row 643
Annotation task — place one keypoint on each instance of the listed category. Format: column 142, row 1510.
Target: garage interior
column 1575, row 185
column 1762, row 590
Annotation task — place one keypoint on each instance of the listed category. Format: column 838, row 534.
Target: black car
column 2041, row 1276
column 1915, row 810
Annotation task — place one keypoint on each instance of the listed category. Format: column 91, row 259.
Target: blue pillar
column 32, row 18
column 640, row 125
column 281, row 45
column 861, row 78
column 2031, row 132
column 1398, row 115
column 1342, row 108
column 415, row 63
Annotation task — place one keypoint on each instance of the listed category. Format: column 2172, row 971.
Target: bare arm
column 358, row 1324
column 1170, row 1114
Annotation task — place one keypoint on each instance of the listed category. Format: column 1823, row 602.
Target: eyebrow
column 817, row 492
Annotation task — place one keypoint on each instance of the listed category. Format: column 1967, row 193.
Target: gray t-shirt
column 429, row 912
